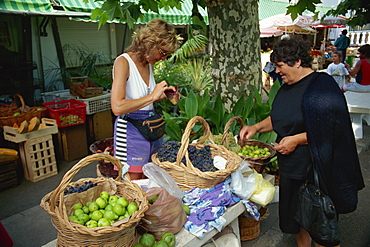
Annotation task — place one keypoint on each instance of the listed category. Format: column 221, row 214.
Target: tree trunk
column 235, row 40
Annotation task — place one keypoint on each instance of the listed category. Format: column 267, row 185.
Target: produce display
column 168, row 239
column 254, row 151
column 200, row 158
column 104, row 211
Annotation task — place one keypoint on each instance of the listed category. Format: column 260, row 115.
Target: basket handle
column 67, row 178
column 22, row 102
column 207, row 134
column 227, row 127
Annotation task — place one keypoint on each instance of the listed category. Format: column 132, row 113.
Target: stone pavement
column 29, row 225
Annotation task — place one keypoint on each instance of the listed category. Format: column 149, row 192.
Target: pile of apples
column 105, row 210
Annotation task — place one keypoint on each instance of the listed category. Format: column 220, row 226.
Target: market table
column 359, row 109
column 185, row 239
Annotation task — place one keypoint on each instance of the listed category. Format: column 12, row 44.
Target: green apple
column 119, row 209
column 109, row 207
column 110, row 215
column 102, row 210
column 113, row 203
column 103, row 222
column 77, row 206
column 152, row 199
column 113, row 199
column 80, row 221
column 132, row 207
column 84, row 217
column 161, row 243
column 102, row 202
column 105, row 195
column 186, row 209
column 93, row 207
column 169, row 238
column 78, row 212
column 147, row 240
column 91, row 224
column 88, row 203
column 123, row 201
column 138, row 245
column 86, row 209
column 96, row 215
column 73, row 218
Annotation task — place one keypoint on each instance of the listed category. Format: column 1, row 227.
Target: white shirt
column 136, row 87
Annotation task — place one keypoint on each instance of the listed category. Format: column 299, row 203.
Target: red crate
column 66, row 112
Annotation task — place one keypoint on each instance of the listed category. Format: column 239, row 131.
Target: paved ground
column 29, row 225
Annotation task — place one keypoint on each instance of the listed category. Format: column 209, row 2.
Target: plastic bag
column 264, row 191
column 158, row 176
column 240, row 185
column 166, row 214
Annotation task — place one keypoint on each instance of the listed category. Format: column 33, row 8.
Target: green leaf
column 172, row 128
column 191, row 105
column 237, row 110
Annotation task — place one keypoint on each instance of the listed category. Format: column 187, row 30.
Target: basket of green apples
column 257, row 153
column 98, row 211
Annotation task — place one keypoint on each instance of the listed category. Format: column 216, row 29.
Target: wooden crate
column 84, row 88
column 99, row 126
column 38, row 158
column 72, row 142
column 8, row 171
column 49, row 127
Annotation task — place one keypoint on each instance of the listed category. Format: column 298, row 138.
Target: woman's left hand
column 286, row 146
column 289, row 143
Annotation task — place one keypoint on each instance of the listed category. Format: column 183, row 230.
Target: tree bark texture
column 235, row 40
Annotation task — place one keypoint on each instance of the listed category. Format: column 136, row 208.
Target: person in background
column 342, row 43
column 304, row 97
column 134, row 91
column 362, row 68
column 337, row 69
column 307, row 40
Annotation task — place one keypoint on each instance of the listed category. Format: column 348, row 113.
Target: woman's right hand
column 247, row 132
column 158, row 92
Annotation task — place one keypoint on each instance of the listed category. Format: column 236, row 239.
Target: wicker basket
column 187, row 176
column 105, row 167
column 249, row 227
column 7, row 117
column 227, row 127
column 258, row 163
column 121, row 233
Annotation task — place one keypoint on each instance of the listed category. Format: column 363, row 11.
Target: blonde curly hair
column 155, row 34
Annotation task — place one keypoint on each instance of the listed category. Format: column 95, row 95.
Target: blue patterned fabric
column 208, row 205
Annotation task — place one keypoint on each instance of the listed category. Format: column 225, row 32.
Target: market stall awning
column 285, row 23
column 266, row 32
column 26, row 6
column 175, row 16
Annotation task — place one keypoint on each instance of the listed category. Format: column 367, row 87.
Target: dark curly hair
column 290, row 51
column 365, row 49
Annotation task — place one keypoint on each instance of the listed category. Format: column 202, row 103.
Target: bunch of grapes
column 200, row 158
column 230, row 139
column 168, row 151
column 79, row 188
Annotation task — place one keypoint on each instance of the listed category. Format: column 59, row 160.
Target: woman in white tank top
column 134, row 91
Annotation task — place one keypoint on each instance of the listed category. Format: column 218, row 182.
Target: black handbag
column 316, row 212
column 152, row 128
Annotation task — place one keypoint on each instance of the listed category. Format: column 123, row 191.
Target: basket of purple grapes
column 192, row 164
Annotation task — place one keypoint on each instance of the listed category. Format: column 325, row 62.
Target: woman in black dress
column 309, row 115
